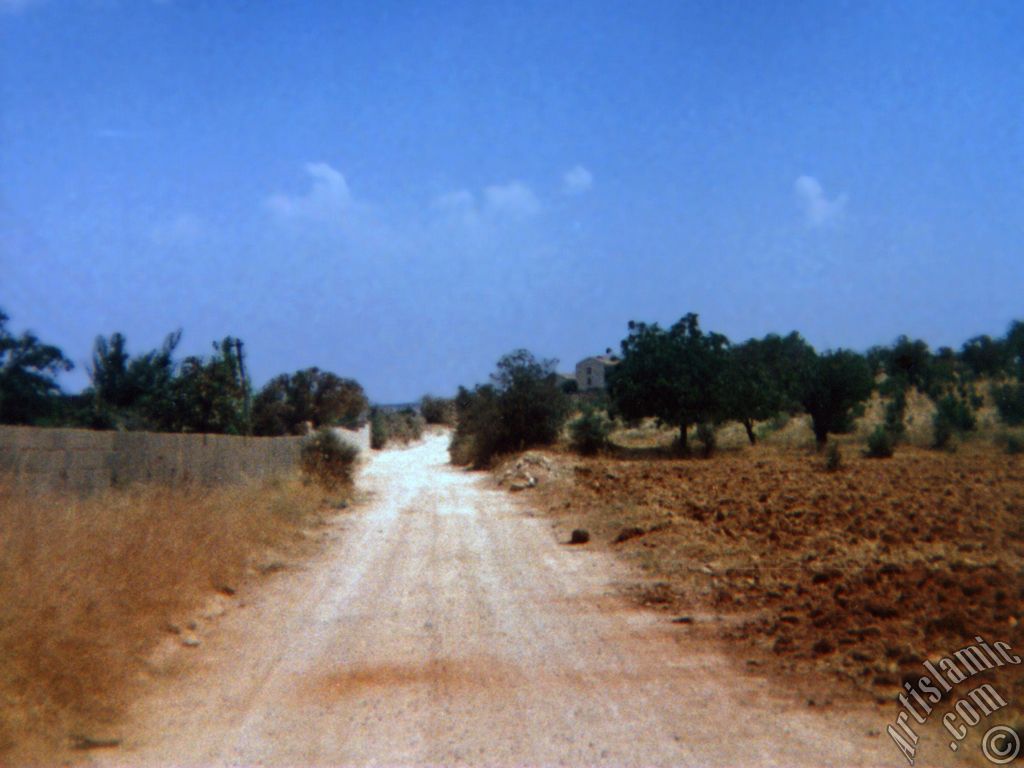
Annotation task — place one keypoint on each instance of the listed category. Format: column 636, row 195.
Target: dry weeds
column 90, row 585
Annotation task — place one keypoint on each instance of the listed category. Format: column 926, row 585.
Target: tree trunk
column 682, row 438
column 749, row 426
column 820, row 436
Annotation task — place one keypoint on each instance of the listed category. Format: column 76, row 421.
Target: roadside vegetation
column 95, row 589
column 438, row 411
column 701, row 385
column 328, row 460
column 522, row 407
column 395, row 427
column 153, row 391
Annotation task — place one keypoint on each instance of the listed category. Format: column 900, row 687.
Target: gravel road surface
column 446, row 625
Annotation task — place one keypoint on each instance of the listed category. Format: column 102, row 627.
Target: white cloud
column 512, row 199
column 327, row 199
column 818, row 210
column 497, row 202
column 577, row 180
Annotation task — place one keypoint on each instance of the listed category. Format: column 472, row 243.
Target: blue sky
column 403, row 192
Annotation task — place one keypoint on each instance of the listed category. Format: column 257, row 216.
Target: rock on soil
column 526, row 472
column 579, row 536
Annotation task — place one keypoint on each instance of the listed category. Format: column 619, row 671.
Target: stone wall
column 83, row 461
column 359, row 438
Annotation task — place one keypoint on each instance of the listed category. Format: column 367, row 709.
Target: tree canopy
column 831, row 385
column 323, row 398
column 523, row 406
column 761, row 379
column 675, row 375
column 28, row 375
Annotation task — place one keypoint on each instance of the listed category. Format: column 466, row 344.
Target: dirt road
column 447, row 626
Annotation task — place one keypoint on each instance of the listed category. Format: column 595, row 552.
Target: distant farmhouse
column 592, row 372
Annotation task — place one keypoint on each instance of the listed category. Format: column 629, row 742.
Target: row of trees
column 155, row 391
column 686, row 377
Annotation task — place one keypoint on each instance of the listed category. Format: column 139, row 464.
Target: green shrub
column 402, row 427
column 462, row 449
column 880, row 443
column 438, row 410
column 953, row 415
column 378, row 431
column 1009, row 401
column 590, row 432
column 833, row 457
column 895, row 413
column 328, row 460
column 1012, row 443
column 523, row 407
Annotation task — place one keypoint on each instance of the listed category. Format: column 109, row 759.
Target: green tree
column 479, row 433
column 533, row 406
column 133, row 392
column 985, row 356
column 675, row 375
column 211, row 394
column 28, row 376
column 759, row 379
column 523, row 406
column 833, row 383
column 438, row 410
column 910, row 363
column 1014, row 345
column 1009, row 400
column 109, row 371
column 323, row 398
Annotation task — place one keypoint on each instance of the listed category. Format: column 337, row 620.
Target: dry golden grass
column 90, row 585
column 795, row 432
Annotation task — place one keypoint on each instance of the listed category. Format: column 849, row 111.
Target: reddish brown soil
column 861, row 573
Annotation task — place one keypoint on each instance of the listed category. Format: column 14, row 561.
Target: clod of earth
column 579, row 536
column 629, row 532
column 82, row 742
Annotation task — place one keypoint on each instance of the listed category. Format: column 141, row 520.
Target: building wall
column 590, row 374
column 83, row 461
